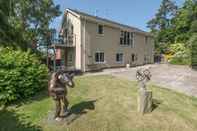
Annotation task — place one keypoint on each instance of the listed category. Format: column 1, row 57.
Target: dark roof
column 110, row 21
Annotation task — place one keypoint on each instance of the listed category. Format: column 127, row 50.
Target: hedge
column 21, row 75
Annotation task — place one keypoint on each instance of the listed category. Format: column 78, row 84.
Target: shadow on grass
column 79, row 109
column 9, row 121
column 156, row 104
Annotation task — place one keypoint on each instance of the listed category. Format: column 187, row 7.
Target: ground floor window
column 119, row 57
column 133, row 57
column 99, row 57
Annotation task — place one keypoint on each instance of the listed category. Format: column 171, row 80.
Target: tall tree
column 29, row 17
column 185, row 20
column 161, row 26
column 9, row 36
column 162, row 19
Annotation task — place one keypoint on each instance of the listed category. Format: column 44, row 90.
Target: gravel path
column 179, row 78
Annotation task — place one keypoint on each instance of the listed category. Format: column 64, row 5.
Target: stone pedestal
column 144, row 101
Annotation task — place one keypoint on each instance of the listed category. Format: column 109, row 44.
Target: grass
column 104, row 103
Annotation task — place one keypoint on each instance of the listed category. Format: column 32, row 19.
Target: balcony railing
column 69, row 41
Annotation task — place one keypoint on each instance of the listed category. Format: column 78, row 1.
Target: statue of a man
column 58, row 91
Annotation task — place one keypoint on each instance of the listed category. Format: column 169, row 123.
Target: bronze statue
column 58, row 91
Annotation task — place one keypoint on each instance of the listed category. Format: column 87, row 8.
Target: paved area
column 179, row 78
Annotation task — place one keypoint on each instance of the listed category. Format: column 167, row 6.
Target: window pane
column 100, row 29
column 97, row 57
column 119, row 57
column 128, row 38
column 146, row 39
column 133, row 57
column 122, row 37
column 125, row 38
column 121, row 41
column 101, row 57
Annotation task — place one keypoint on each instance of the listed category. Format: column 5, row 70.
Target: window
column 100, row 29
column 126, row 38
column 99, row 57
column 70, row 58
column 146, row 39
column 122, row 38
column 131, row 39
column 133, row 57
column 72, row 30
column 119, row 57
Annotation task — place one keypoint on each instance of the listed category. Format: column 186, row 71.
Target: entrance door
column 133, row 59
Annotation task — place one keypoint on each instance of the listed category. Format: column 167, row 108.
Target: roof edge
column 85, row 15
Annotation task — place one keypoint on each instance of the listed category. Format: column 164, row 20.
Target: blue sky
column 131, row 12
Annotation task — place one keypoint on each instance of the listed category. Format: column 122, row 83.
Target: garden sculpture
column 144, row 97
column 58, row 91
column 143, row 76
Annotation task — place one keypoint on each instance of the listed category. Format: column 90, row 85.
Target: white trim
column 100, row 62
column 74, row 13
column 84, row 52
column 133, row 40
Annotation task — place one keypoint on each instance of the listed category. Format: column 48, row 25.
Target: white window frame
column 131, row 39
column 120, row 62
column 99, row 62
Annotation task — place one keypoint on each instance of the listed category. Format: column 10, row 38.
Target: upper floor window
column 72, row 29
column 122, row 38
column 132, row 39
column 100, row 29
column 99, row 57
column 146, row 39
column 126, row 38
column 119, row 57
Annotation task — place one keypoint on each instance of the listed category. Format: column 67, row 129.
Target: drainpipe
column 84, row 45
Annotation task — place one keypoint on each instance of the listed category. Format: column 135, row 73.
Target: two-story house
column 92, row 43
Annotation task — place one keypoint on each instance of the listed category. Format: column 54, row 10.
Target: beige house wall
column 75, row 20
column 88, row 42
column 109, row 43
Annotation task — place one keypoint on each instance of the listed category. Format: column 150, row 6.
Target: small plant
column 21, row 75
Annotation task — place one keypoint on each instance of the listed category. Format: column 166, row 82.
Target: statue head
column 65, row 77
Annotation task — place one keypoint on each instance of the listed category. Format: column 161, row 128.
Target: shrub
column 193, row 43
column 181, row 54
column 21, row 75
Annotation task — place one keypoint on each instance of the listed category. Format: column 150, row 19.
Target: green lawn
column 104, row 103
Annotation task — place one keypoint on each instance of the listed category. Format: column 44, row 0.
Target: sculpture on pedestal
column 144, row 96
column 143, row 76
column 58, row 91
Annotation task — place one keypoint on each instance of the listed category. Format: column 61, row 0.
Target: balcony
column 69, row 41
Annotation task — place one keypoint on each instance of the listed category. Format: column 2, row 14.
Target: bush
column 21, row 75
column 181, row 54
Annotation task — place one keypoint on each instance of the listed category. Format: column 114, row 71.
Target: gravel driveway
column 179, row 78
